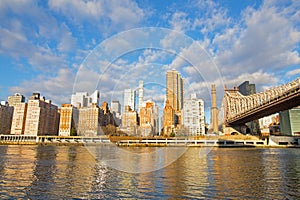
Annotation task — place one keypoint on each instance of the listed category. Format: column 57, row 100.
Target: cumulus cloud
column 57, row 88
column 266, row 39
column 293, row 72
column 126, row 13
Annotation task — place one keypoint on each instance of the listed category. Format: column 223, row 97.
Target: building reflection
column 238, row 174
column 16, row 169
column 179, row 181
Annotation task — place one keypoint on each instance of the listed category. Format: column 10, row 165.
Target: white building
column 129, row 98
column 116, row 111
column 83, row 99
column 89, row 121
column 19, row 119
column 141, row 94
column 42, row 117
column 193, row 116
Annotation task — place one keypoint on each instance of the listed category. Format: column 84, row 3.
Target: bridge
column 240, row 109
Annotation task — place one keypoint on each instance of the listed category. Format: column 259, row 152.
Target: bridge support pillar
column 237, row 129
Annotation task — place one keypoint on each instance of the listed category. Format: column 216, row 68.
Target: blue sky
column 45, row 45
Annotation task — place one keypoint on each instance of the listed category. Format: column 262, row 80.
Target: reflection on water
column 52, row 172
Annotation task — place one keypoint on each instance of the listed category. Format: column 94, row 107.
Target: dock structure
column 151, row 141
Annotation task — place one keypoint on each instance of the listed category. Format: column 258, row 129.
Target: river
column 71, row 172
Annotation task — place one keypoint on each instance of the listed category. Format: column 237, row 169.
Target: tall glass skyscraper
column 175, row 86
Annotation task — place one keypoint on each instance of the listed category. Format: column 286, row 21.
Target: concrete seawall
column 274, row 141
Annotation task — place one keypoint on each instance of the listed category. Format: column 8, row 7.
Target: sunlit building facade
column 193, row 116
column 14, row 99
column 83, row 99
column 149, row 119
column 42, row 117
column 19, row 119
column 68, row 122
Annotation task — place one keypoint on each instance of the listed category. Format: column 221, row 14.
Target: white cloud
column 293, row 72
column 265, row 39
column 57, row 88
column 119, row 14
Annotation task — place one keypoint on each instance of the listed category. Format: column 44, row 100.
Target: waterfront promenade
column 209, row 141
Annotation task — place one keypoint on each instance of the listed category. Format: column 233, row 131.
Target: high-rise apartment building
column 116, row 111
column 83, row 99
column 129, row 98
column 174, row 102
column 168, row 120
column 6, row 114
column 89, row 121
column 175, row 90
column 115, row 106
column 193, row 116
column 149, row 119
column 16, row 98
column 141, row 94
column 19, row 119
column 42, row 117
column 68, row 122
column 129, row 121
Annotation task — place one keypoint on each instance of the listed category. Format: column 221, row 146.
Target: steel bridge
column 240, row 109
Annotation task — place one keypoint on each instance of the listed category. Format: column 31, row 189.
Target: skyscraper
column 175, row 90
column 141, row 93
column 193, row 116
column 129, row 98
column 83, row 99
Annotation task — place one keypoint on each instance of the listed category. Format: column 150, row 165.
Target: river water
column 71, row 172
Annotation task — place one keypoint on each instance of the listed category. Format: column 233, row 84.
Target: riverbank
column 123, row 141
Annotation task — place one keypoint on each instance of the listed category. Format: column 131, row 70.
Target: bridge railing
column 238, row 104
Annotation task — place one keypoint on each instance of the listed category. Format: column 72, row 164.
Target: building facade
column 116, row 112
column 290, row 122
column 149, row 119
column 129, row 121
column 175, row 99
column 168, row 120
column 16, row 98
column 6, row 115
column 141, row 95
column 42, row 117
column 248, row 89
column 19, row 119
column 175, row 89
column 129, row 99
column 89, row 121
column 193, row 116
column 68, row 123
column 83, row 99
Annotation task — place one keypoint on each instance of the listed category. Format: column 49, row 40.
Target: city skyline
column 45, row 55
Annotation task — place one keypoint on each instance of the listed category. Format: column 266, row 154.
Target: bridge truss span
column 239, row 109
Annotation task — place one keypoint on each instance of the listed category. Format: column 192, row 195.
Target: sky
column 58, row 47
